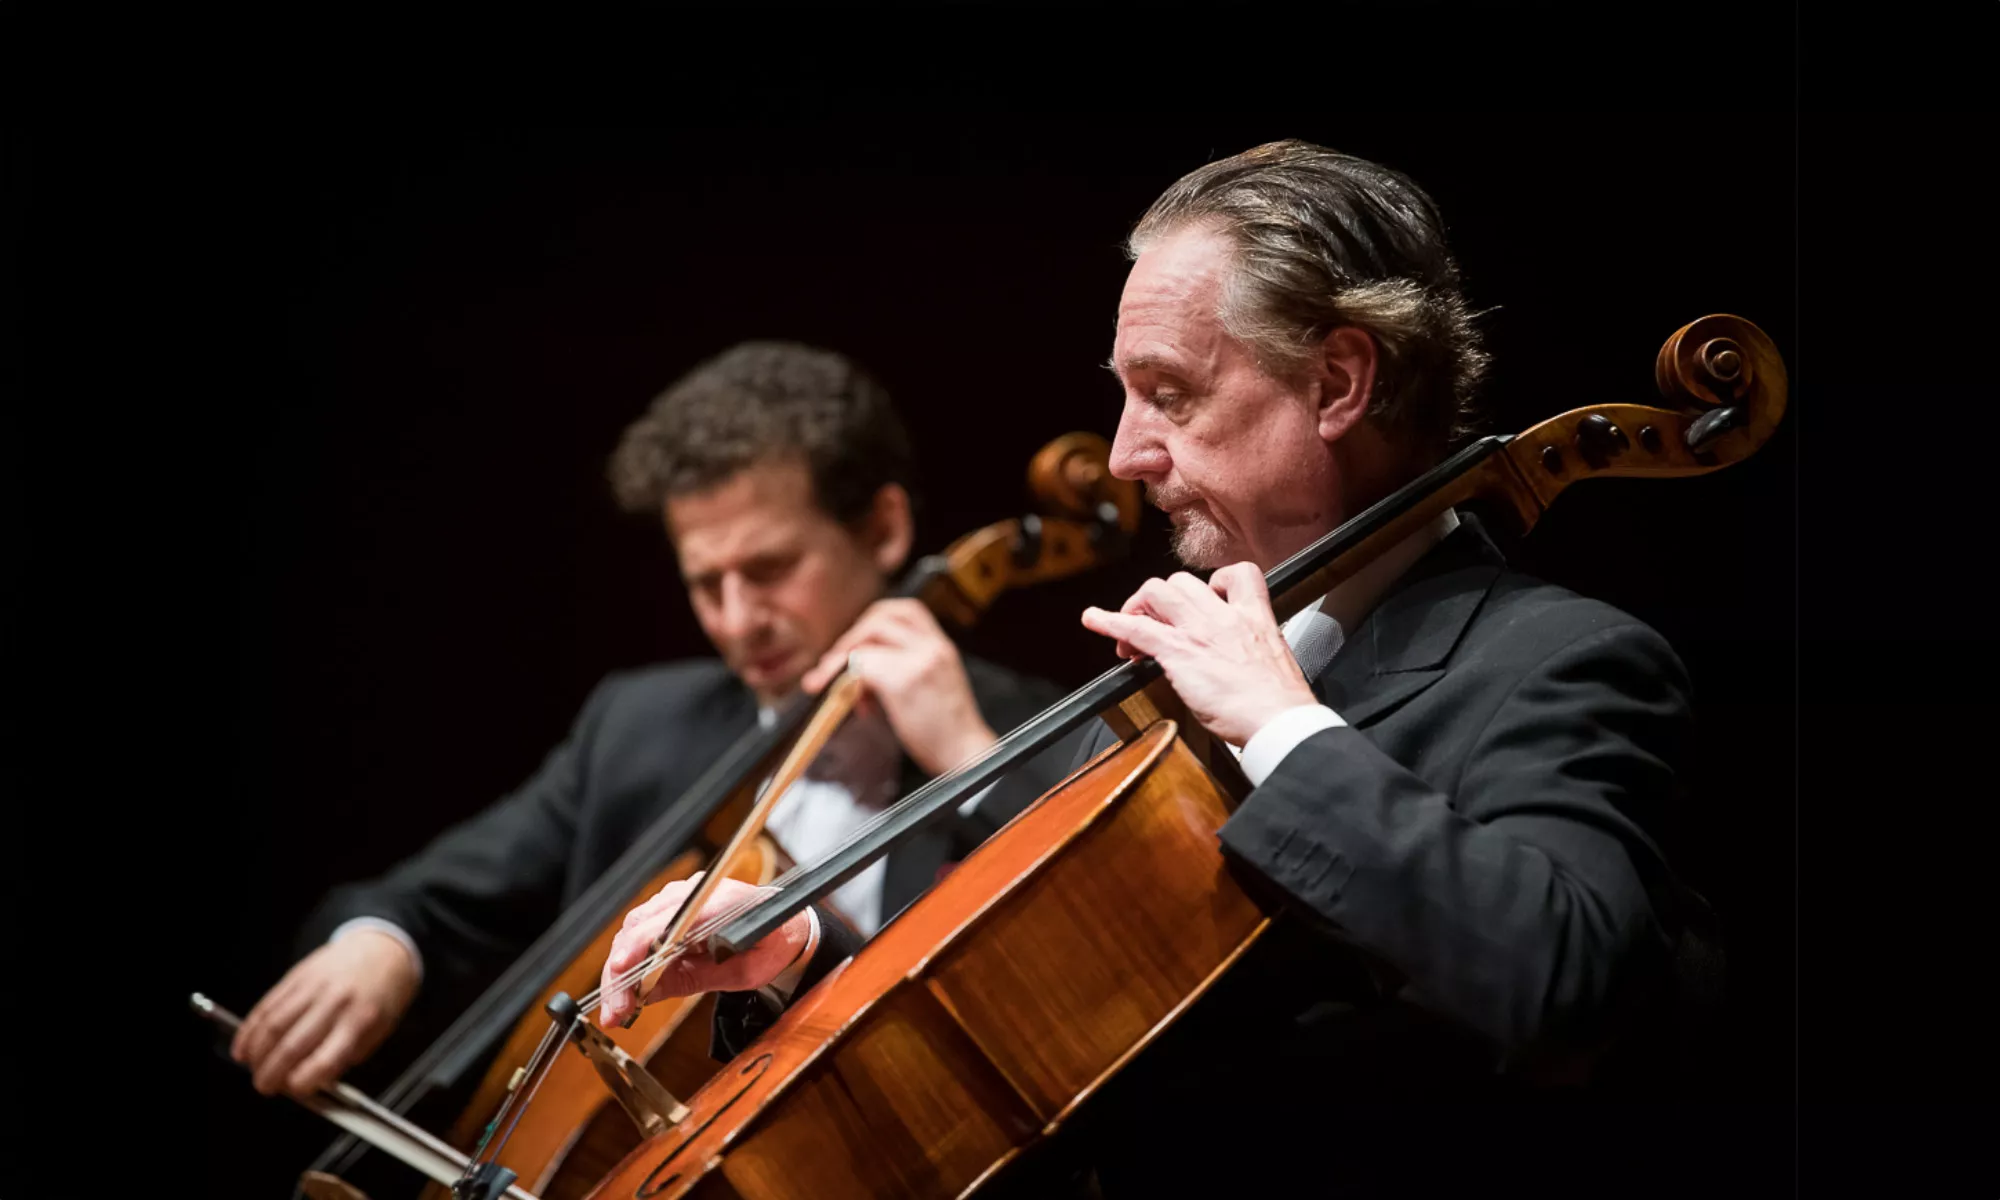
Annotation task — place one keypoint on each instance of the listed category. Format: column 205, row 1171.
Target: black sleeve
column 1529, row 902
column 483, row 890
column 741, row 1017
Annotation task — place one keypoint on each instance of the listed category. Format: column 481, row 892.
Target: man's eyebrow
column 1144, row 362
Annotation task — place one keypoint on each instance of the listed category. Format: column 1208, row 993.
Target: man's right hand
column 696, row 971
column 328, row 1013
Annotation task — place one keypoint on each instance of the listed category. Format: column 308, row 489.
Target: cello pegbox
column 1726, row 385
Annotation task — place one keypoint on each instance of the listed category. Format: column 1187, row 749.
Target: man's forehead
column 759, row 509
column 738, row 535
column 1180, row 269
column 1168, row 309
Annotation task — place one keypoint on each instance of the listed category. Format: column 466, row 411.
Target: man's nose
column 1136, row 453
column 740, row 610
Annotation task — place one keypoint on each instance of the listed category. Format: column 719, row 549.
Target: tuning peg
column 1599, row 441
column 1711, row 423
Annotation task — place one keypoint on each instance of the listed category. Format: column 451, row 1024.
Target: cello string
column 506, row 1104
column 538, row 1069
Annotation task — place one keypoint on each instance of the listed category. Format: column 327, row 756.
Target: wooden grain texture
column 908, row 1107
column 1066, row 976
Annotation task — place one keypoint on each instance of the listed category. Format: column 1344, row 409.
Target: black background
column 320, row 374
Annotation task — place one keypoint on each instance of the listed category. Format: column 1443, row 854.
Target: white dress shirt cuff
column 778, row 992
column 1281, row 735
column 381, row 926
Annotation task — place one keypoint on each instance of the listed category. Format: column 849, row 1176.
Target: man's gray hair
column 1324, row 240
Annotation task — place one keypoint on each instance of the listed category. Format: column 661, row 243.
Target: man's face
column 1234, row 455
column 773, row 579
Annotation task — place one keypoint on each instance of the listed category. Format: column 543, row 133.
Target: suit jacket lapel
column 725, row 712
column 1404, row 643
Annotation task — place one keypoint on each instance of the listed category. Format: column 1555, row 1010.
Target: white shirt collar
column 1351, row 599
column 1316, row 631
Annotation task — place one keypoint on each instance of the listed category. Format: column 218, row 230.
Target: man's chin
column 771, row 686
column 1201, row 547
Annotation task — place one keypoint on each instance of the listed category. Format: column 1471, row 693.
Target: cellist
column 782, row 473
column 1463, row 778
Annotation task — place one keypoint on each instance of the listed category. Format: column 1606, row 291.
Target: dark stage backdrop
column 375, row 567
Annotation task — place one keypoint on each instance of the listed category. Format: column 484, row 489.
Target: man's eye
column 768, row 570
column 1169, row 402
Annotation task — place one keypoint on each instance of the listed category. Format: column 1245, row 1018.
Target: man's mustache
column 753, row 647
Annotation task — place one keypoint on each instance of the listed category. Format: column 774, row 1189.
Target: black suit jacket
column 482, row 891
column 1473, row 898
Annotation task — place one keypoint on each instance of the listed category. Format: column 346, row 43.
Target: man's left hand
column 912, row 669
column 1218, row 643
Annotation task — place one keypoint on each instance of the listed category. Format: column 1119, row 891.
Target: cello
column 978, row 1022
column 574, row 1132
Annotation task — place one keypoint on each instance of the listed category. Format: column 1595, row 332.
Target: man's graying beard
column 1197, row 541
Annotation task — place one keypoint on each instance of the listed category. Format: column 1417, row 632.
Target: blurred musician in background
column 782, row 474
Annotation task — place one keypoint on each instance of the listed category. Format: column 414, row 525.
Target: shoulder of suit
column 685, row 685
column 1537, row 618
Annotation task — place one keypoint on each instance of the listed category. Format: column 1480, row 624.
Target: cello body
column 985, row 1014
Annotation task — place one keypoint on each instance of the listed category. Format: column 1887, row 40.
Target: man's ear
column 888, row 529
column 1347, row 363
